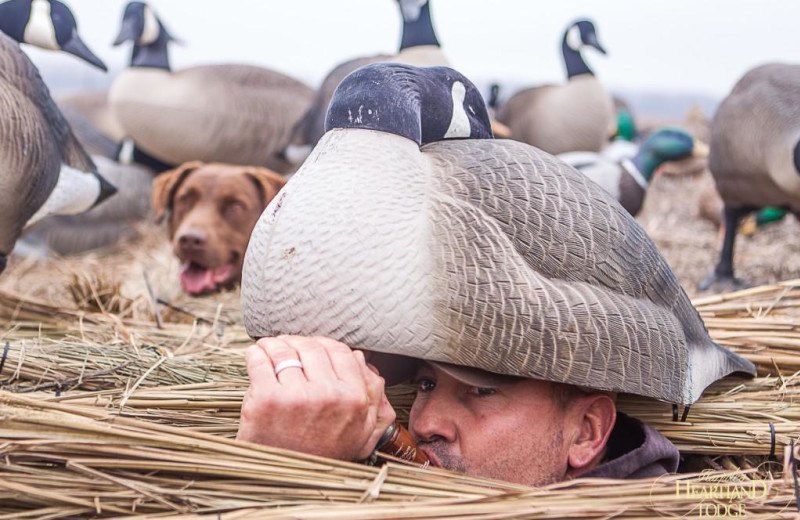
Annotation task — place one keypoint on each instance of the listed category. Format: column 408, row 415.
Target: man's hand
column 334, row 406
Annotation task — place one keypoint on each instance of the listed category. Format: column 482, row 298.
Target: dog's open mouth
column 196, row 279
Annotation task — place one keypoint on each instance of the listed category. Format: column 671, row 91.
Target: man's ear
column 268, row 182
column 591, row 425
column 165, row 186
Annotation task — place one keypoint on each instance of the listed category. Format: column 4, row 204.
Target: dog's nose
column 192, row 239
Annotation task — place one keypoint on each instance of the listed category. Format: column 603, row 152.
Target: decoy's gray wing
column 30, row 159
column 23, row 75
column 585, row 297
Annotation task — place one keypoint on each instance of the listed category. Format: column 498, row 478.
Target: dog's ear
column 165, row 186
column 268, row 182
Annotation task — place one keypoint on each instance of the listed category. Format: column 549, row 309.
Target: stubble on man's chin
column 447, row 460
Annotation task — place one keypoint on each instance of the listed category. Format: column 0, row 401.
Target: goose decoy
column 48, row 24
column 92, row 108
column 576, row 116
column 44, row 170
column 627, row 179
column 410, row 231
column 419, row 46
column 235, row 114
column 755, row 153
column 132, row 172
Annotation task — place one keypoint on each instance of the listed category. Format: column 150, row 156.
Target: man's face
column 513, row 432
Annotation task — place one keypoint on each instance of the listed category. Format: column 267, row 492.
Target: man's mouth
column 197, row 279
column 431, row 456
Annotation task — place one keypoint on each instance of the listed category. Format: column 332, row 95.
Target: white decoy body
column 419, row 46
column 755, row 152
column 412, row 232
column 43, row 169
column 576, row 116
column 234, row 114
column 628, row 178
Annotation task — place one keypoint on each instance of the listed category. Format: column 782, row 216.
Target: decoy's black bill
column 76, row 47
column 592, row 41
column 106, row 189
column 3, row 261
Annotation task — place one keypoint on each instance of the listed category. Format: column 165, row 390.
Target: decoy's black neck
column 420, row 32
column 12, row 19
column 154, row 55
column 145, row 159
column 574, row 60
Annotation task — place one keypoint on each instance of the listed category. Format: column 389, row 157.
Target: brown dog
column 212, row 210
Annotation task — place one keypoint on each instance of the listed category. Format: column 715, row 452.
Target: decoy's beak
column 131, row 27
column 3, row 261
column 106, row 190
column 700, row 149
column 411, row 10
column 593, row 42
column 76, row 47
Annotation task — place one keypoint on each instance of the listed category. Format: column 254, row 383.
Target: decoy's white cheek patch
column 40, row 30
column 574, row 39
column 151, row 29
column 75, row 192
column 459, row 124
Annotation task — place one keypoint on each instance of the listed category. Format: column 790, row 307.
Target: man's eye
column 483, row 392
column 425, row 385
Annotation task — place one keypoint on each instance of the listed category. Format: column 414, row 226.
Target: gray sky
column 696, row 46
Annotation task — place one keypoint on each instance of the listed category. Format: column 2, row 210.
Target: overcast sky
column 696, row 46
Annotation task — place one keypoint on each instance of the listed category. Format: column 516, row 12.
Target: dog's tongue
column 196, row 279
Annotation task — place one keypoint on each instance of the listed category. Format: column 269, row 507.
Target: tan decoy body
column 483, row 253
column 753, row 138
column 235, row 114
column 37, row 145
column 94, row 108
column 561, row 118
column 576, row 116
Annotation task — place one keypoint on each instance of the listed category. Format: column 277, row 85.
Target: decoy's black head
column 141, row 26
column 583, row 33
column 424, row 104
column 412, row 9
column 48, row 24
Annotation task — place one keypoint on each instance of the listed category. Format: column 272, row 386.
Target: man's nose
column 433, row 419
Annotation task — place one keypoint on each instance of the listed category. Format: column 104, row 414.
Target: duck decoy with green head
column 419, row 46
column 410, row 231
column 576, row 116
column 755, row 153
column 235, row 114
column 43, row 169
column 627, row 180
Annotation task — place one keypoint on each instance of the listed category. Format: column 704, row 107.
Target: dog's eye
column 235, row 207
column 184, row 199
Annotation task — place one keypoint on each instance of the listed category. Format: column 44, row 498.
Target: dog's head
column 211, row 211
